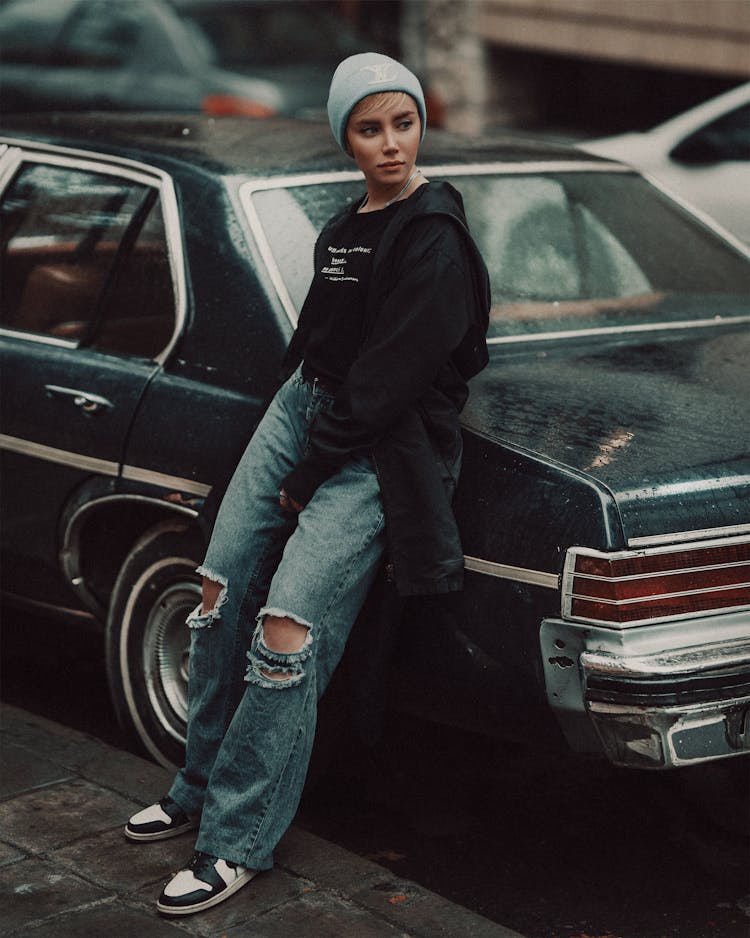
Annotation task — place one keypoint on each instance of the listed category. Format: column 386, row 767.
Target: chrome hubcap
column 166, row 655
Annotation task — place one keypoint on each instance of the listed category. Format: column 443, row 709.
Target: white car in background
column 702, row 156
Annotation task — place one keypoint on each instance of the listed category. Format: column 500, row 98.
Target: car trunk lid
column 662, row 423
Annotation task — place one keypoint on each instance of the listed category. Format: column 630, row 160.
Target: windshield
column 565, row 251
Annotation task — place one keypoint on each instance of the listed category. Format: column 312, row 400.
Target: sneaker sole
column 161, row 835
column 208, row 903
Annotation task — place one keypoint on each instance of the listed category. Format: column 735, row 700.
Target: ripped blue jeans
column 250, row 735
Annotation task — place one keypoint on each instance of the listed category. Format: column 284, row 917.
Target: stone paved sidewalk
column 66, row 869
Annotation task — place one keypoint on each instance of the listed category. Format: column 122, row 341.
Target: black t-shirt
column 338, row 294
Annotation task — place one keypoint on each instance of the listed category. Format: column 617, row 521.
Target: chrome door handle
column 88, row 403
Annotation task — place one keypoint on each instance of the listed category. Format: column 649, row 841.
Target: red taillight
column 227, row 105
column 628, row 587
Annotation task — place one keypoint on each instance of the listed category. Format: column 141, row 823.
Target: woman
column 356, row 457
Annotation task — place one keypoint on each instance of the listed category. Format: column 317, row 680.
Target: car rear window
column 566, row 251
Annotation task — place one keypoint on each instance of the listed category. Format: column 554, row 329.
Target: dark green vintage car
column 152, row 270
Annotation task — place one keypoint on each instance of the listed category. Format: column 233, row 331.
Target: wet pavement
column 67, row 870
column 550, row 845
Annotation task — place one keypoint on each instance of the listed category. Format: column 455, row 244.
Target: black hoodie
column 424, row 336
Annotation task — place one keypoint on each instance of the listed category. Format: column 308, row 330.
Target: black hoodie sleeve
column 419, row 323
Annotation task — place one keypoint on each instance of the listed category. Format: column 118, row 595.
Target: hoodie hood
column 443, row 199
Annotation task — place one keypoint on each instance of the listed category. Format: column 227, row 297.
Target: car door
column 87, row 312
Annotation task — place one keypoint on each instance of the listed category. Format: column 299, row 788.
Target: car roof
column 265, row 147
column 705, row 112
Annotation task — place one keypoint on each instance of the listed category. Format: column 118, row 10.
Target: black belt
column 318, row 382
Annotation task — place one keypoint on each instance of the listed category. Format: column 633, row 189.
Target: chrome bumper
column 652, row 703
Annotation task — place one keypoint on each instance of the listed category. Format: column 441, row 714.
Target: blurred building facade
column 603, row 64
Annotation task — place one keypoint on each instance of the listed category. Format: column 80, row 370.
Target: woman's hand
column 289, row 504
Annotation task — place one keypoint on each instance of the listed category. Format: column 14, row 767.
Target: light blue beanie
column 364, row 74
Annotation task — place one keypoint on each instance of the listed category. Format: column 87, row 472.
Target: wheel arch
column 100, row 534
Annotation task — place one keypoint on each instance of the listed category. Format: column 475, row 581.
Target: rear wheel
column 148, row 642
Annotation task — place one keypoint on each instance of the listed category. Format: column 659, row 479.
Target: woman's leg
column 246, row 546
column 327, row 568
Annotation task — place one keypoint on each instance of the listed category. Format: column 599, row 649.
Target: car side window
column 139, row 315
column 83, row 258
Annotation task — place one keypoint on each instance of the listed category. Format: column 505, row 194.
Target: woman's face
column 383, row 134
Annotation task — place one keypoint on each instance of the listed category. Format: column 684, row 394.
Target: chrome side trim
column 681, row 537
column 61, row 456
column 516, row 574
column 163, row 480
column 526, row 169
column 38, row 337
column 443, row 169
column 301, row 179
column 618, row 330
column 40, row 148
column 25, row 602
column 90, row 162
column 32, row 152
column 102, row 466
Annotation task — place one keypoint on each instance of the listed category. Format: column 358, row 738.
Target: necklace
column 397, row 196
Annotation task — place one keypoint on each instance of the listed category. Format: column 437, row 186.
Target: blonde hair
column 381, row 99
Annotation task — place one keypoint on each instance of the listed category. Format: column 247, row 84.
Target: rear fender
column 98, row 531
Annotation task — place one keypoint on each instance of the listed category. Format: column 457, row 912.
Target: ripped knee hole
column 213, row 596
column 280, row 646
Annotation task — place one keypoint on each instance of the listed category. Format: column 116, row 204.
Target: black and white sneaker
column 159, row 821
column 206, row 881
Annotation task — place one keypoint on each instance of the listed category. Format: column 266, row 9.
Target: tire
column 147, row 640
